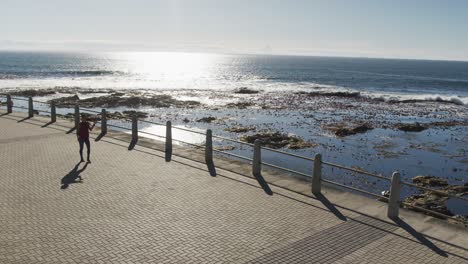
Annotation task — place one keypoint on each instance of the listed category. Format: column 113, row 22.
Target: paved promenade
column 133, row 207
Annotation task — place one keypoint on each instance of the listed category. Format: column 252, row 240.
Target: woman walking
column 83, row 136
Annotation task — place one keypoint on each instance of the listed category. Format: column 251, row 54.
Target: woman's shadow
column 73, row 176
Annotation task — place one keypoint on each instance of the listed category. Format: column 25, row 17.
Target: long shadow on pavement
column 419, row 237
column 73, row 176
column 330, row 206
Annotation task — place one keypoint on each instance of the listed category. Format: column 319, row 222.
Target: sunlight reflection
column 176, row 134
column 171, row 65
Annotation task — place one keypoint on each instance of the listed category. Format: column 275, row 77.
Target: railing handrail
column 276, row 166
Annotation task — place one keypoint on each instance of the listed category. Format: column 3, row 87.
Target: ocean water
column 387, row 79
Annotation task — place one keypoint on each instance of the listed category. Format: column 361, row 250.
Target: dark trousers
column 83, row 141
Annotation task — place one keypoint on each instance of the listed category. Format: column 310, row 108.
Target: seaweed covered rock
column 240, row 105
column 137, row 113
column 416, row 127
column 32, row 92
column 430, row 201
column 342, row 130
column 278, row 140
column 430, row 181
column 68, row 101
column 239, row 129
column 207, row 119
column 117, row 100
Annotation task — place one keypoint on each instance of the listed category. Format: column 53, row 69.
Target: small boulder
column 207, row 119
column 245, row 90
column 416, row 127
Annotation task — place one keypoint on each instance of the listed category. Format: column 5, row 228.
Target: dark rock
column 278, row 140
column 240, row 105
column 115, row 100
column 245, row 90
column 347, row 131
column 68, row 101
column 139, row 114
column 33, row 93
column 431, row 181
column 239, row 129
column 185, row 120
column 335, row 94
column 208, row 119
column 430, row 201
column 416, row 127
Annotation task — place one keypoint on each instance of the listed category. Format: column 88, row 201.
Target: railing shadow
column 71, row 130
column 48, row 124
column 263, row 183
column 132, row 144
column 420, row 237
column 100, row 136
column 23, row 119
column 330, row 207
column 211, row 168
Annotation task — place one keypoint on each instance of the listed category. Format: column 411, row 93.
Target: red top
column 83, row 131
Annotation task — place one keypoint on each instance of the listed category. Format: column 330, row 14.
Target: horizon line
column 227, row 53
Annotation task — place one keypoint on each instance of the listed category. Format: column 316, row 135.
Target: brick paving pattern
column 133, row 207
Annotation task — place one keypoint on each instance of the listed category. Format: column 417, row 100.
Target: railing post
column 257, row 158
column 103, row 121
column 9, row 104
column 209, row 153
column 317, row 175
column 77, row 117
column 394, row 199
column 257, row 167
column 209, row 147
column 134, row 128
column 30, row 107
column 53, row 112
column 168, row 141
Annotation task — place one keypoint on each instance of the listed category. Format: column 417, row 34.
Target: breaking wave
column 384, row 97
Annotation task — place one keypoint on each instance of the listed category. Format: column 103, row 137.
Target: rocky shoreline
column 339, row 125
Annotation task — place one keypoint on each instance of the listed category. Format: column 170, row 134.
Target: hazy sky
column 431, row 29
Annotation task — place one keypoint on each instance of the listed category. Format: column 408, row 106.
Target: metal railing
column 394, row 199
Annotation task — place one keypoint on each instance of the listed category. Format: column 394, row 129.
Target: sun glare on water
column 171, row 66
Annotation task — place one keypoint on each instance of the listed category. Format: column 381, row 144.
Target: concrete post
column 9, row 104
column 394, row 199
column 168, row 141
column 77, row 117
column 53, row 112
column 317, row 175
column 134, row 128
column 30, row 107
column 257, row 159
column 103, row 121
column 209, row 147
